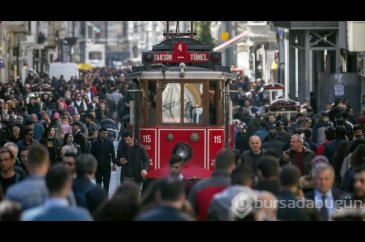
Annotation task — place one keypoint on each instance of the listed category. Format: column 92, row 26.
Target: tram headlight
column 183, row 150
column 216, row 57
column 148, row 57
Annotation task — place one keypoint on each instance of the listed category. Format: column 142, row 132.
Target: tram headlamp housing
column 183, row 150
column 182, row 69
column 148, row 57
column 216, row 57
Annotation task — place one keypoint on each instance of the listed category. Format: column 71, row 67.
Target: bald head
column 255, row 144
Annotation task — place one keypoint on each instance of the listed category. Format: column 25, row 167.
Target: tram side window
column 152, row 103
column 171, row 103
column 212, row 103
column 193, row 103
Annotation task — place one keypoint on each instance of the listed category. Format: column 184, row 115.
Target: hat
column 320, row 159
column 279, row 122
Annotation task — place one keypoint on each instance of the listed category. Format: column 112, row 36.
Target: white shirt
column 180, row 177
column 329, row 201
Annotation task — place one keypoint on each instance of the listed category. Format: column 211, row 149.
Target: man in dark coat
column 251, row 157
column 268, row 172
column 324, row 195
column 103, row 150
column 330, row 149
column 133, row 158
column 78, row 136
column 289, row 199
column 273, row 142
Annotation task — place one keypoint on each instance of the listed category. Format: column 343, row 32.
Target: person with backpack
column 87, row 194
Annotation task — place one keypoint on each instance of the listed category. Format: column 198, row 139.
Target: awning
column 247, row 34
column 84, row 66
column 232, row 41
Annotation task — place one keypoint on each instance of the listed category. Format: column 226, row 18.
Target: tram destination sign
column 180, row 54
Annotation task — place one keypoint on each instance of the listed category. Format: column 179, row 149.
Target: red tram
column 181, row 105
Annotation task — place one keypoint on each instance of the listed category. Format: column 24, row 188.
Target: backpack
column 80, row 197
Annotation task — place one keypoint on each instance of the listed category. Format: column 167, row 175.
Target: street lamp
column 60, row 34
column 296, row 67
column 71, row 41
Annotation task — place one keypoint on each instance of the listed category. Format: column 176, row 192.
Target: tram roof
column 171, row 73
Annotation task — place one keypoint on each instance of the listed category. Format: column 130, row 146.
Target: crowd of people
column 57, row 157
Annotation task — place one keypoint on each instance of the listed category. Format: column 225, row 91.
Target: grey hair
column 6, row 117
column 299, row 137
column 20, row 118
column 321, row 167
column 11, row 144
column 33, row 115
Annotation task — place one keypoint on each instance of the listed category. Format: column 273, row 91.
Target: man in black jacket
column 79, row 137
column 251, row 157
column 290, row 203
column 103, row 150
column 133, row 158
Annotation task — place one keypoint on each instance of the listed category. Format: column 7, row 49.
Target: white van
column 66, row 69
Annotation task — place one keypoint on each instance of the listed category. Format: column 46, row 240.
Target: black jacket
column 137, row 160
column 104, row 152
column 252, row 160
column 287, row 211
column 95, row 197
column 54, row 150
column 274, row 144
column 80, row 140
column 272, row 186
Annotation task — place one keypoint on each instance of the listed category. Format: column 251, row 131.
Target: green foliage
column 203, row 33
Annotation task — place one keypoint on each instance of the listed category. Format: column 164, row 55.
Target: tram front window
column 171, row 103
column 193, row 103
